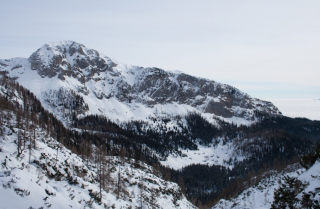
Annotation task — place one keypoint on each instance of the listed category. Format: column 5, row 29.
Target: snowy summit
column 70, row 71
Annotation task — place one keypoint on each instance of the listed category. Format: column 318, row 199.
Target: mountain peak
column 123, row 92
column 60, row 48
column 69, row 47
column 62, row 43
column 67, row 58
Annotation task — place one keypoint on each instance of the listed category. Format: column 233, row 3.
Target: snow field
column 57, row 178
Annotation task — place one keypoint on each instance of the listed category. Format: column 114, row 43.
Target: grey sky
column 267, row 48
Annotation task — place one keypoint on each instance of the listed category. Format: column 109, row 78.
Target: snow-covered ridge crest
column 68, row 58
column 124, row 92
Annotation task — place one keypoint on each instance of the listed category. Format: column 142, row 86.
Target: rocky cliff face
column 68, row 59
column 122, row 92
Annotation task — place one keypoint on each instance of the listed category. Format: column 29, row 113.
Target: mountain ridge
column 123, row 92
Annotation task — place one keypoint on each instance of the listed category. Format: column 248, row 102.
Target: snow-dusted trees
column 66, row 103
column 309, row 159
column 142, row 195
column 118, row 185
column 153, row 198
column 285, row 196
column 31, row 144
column 120, row 188
column 101, row 167
column 19, row 137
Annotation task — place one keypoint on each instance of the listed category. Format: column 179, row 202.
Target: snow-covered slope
column 205, row 155
column 51, row 176
column 69, row 78
column 261, row 195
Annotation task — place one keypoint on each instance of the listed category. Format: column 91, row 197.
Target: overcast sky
column 267, row 48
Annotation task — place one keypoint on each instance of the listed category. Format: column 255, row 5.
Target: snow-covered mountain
column 70, row 79
column 189, row 124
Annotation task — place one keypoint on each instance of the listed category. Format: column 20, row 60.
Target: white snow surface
column 258, row 197
column 205, row 155
column 261, row 195
column 25, row 185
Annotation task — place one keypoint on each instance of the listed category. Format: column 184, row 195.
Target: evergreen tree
column 286, row 195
